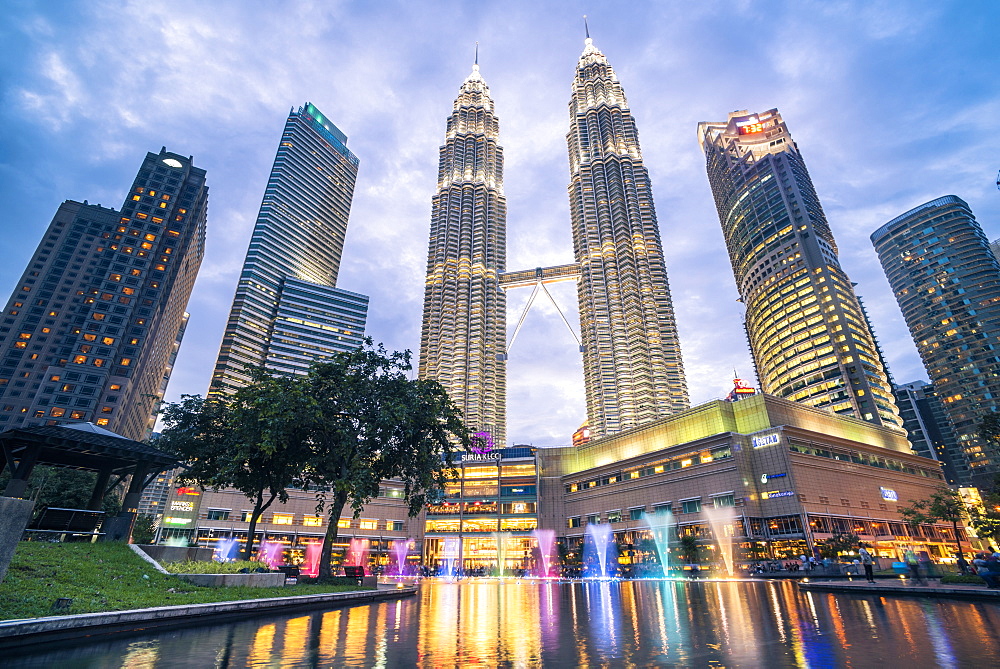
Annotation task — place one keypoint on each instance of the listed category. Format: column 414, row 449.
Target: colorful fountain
column 599, row 552
column 661, row 524
column 546, row 553
column 721, row 520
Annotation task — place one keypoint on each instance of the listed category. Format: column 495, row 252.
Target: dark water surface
column 489, row 623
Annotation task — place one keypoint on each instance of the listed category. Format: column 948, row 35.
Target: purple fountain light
column 400, row 547
column 269, row 553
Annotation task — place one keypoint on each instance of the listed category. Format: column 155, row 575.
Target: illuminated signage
column 181, row 506
column 170, row 520
column 764, row 478
column 481, row 457
column 482, row 442
column 766, row 440
column 889, row 494
column 751, row 128
column 775, row 493
column 188, row 491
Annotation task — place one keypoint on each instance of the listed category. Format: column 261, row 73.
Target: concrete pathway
column 20, row 633
column 905, row 588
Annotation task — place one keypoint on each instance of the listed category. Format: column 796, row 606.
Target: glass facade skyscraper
column 92, row 328
column 632, row 359
column 947, row 283
column 463, row 335
column 287, row 311
column 807, row 331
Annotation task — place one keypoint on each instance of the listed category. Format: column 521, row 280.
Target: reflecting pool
column 525, row 623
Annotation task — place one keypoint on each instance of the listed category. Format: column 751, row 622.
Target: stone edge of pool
column 31, row 631
column 968, row 592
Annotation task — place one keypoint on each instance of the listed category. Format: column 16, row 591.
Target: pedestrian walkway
column 904, row 587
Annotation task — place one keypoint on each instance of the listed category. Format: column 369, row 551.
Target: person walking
column 868, row 562
column 914, row 564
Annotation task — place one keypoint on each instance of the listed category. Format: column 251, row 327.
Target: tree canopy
column 944, row 504
column 250, row 441
column 351, row 422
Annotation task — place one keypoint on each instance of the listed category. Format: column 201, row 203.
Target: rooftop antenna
column 586, row 28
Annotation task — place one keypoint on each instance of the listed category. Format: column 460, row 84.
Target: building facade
column 929, row 430
column 463, row 337
column 287, row 311
column 632, row 364
column 790, row 476
column 946, row 280
column 806, row 328
column 93, row 326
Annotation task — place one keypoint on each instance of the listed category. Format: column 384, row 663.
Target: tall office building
column 94, row 323
column 287, row 311
column 463, row 335
column 947, row 283
column 632, row 358
column 807, row 331
column 929, row 430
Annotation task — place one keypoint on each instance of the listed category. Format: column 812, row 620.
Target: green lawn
column 109, row 577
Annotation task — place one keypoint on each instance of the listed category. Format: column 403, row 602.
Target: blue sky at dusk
column 891, row 103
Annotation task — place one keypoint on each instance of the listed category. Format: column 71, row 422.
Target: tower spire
column 586, row 27
column 477, row 54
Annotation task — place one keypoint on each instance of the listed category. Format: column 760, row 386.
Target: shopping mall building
column 792, row 475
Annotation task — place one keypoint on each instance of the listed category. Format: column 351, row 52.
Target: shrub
column 209, row 567
column 962, row 578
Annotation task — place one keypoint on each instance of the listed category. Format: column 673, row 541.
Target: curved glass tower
column 632, row 358
column 463, row 336
column 947, row 283
column 807, row 331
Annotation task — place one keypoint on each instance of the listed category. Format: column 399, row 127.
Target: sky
column 892, row 104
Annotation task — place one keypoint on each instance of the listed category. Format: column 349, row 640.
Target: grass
column 109, row 577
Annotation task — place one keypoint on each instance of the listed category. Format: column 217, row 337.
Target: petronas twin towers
column 632, row 359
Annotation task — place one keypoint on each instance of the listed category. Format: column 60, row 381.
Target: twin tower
column 631, row 353
column 806, row 327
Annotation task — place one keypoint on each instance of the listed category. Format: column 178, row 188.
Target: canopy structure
column 82, row 446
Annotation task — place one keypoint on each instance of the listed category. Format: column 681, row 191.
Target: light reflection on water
column 489, row 623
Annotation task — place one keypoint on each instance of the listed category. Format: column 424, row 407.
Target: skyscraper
column 632, row 359
column 807, row 331
column 287, row 311
column 929, row 430
column 463, row 335
column 92, row 327
column 947, row 283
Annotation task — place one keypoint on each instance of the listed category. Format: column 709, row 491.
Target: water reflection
column 512, row 623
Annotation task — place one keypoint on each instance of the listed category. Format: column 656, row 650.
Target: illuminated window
column 80, row 359
column 89, row 336
column 102, row 421
column 116, row 386
column 344, row 523
column 20, row 344
column 99, row 316
column 125, row 362
column 107, row 341
column 312, row 521
column 282, row 518
column 57, row 412
column 106, row 409
column 367, row 524
column 77, row 415
column 141, row 215
column 98, row 362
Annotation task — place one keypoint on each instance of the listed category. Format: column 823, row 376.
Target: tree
column 985, row 518
column 690, row 548
column 945, row 505
column 65, row 488
column 252, row 441
column 837, row 544
column 368, row 422
column 144, row 529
